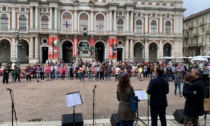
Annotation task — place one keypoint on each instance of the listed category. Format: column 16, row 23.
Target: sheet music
column 141, row 94
column 73, row 99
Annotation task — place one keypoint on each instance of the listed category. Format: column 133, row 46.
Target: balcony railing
column 195, row 35
column 208, row 32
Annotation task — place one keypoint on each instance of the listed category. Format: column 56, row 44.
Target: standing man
column 195, row 94
column 17, row 73
column 158, row 89
column 5, row 75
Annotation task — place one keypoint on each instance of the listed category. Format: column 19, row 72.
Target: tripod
column 94, row 105
column 138, row 119
column 13, row 106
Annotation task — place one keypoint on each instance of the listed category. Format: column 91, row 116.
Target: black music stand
column 142, row 96
column 73, row 99
column 13, row 107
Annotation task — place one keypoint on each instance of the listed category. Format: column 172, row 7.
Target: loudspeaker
column 115, row 121
column 67, row 119
column 179, row 115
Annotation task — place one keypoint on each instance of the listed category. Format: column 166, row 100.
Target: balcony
column 191, row 27
column 201, row 24
column 200, row 44
column 195, row 35
column 193, row 45
column 208, row 32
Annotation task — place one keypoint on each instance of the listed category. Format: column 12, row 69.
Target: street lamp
column 144, row 38
column 19, row 38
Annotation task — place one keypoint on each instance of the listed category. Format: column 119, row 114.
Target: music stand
column 73, row 99
column 142, row 96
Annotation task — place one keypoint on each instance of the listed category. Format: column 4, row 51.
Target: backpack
column 133, row 102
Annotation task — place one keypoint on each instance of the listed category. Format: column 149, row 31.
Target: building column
column 56, row 19
column 36, row 47
column 13, row 50
column 131, row 49
column 13, row 18
column 115, row 21
column 126, row 49
column 131, row 22
column 160, row 50
column 110, row 21
column 127, row 21
column 146, row 51
column 75, row 20
column 50, row 22
column 91, row 21
column 31, row 48
column 107, row 22
column 31, row 18
column 36, row 18
column 161, row 25
column 146, row 23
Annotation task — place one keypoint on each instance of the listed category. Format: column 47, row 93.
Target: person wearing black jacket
column 158, row 89
column 194, row 94
column 5, row 75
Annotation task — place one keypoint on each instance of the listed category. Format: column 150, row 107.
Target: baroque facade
column 37, row 30
column 197, row 34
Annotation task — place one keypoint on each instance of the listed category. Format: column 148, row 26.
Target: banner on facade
column 112, row 48
column 75, row 46
column 92, row 42
column 53, row 48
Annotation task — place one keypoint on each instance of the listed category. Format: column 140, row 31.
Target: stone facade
column 117, row 29
column 197, row 34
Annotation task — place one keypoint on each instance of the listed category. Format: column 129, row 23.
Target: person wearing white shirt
column 117, row 71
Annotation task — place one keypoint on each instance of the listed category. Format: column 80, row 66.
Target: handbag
column 207, row 104
column 133, row 102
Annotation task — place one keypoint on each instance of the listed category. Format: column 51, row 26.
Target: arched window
column 168, row 28
column 44, row 22
column 153, row 27
column 4, row 21
column 83, row 21
column 22, row 22
column 120, row 25
column 139, row 26
column 67, row 21
column 99, row 22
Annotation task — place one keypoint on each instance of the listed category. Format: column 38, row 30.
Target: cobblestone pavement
column 46, row 100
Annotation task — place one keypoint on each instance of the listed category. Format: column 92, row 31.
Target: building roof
column 192, row 16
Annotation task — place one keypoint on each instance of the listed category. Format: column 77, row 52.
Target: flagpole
column 53, row 47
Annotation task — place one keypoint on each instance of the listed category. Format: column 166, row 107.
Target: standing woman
column 124, row 90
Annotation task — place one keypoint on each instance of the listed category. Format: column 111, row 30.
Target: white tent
column 199, row 58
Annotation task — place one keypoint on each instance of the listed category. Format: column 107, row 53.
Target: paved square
column 46, row 99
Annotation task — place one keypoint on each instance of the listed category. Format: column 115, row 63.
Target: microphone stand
column 13, row 106
column 94, row 104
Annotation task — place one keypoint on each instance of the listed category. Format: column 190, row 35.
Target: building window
column 44, row 9
column 99, row 22
column 168, row 15
column 139, row 14
column 153, row 15
column 120, row 25
column 67, row 21
column 168, row 28
column 44, row 22
column 203, row 29
column 120, row 13
column 4, row 8
column 22, row 22
column 83, row 21
column 22, row 9
column 139, row 26
column 4, row 21
column 153, row 27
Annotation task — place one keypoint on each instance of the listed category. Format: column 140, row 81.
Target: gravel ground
column 46, row 100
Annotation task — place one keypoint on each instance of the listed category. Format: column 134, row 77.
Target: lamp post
column 19, row 39
column 144, row 38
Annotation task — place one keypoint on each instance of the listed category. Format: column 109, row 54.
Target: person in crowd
column 17, row 73
column 42, row 72
column 28, row 73
column 117, row 72
column 63, row 72
column 145, row 71
column 68, row 71
column 82, row 72
column 13, row 76
column 56, row 71
column 194, row 94
column 124, row 91
column 38, row 70
column 77, row 71
column 158, row 89
column 33, row 71
column 177, row 82
column 52, row 71
column 71, row 72
column 101, row 71
column 97, row 68
column 140, row 70
column 108, row 70
column 89, row 72
column 48, row 72
column 5, row 75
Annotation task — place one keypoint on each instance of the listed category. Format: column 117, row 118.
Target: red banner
column 92, row 41
column 115, row 48
column 53, row 48
column 110, row 48
column 75, row 46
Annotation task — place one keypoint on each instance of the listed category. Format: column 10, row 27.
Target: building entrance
column 44, row 54
column 119, row 54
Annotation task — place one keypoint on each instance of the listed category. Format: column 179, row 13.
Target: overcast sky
column 194, row 6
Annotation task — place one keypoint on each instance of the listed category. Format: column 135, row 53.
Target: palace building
column 40, row 30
